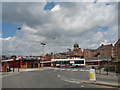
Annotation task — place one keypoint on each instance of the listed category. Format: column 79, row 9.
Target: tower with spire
column 76, row 46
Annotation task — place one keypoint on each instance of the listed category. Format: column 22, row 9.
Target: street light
column 43, row 51
column 18, row 29
column 69, row 52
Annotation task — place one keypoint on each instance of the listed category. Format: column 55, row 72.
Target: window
column 119, row 45
column 79, row 62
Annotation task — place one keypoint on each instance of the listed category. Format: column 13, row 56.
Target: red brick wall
column 88, row 53
column 117, row 50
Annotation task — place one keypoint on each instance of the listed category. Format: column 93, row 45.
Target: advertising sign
column 71, row 62
column 19, row 57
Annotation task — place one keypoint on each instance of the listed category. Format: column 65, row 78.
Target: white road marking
column 88, row 70
column 75, row 70
column 72, row 70
column 62, row 69
column 81, row 70
column 9, row 75
column 67, row 80
column 68, row 69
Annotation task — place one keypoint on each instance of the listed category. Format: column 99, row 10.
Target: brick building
column 116, row 61
column 102, row 55
column 105, row 50
column 88, row 53
column 102, row 51
column 117, row 51
column 76, row 52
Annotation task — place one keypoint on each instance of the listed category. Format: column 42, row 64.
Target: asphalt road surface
column 49, row 78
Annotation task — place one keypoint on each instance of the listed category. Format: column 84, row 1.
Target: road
column 49, row 78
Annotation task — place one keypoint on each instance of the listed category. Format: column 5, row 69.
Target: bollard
column 52, row 65
column 13, row 69
column 92, row 75
column 39, row 65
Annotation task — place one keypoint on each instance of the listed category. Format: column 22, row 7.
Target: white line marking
column 68, row 69
column 75, row 70
column 67, row 80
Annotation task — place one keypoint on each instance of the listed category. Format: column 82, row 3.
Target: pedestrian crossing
column 72, row 70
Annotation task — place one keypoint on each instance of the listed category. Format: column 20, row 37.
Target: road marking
column 84, row 70
column 87, row 70
column 75, row 70
column 9, row 75
column 57, row 68
column 81, row 70
column 62, row 69
column 72, row 70
column 68, row 80
column 82, row 86
column 68, row 69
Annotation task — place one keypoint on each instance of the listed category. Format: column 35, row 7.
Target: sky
column 58, row 24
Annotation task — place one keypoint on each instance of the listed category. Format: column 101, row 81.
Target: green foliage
column 109, row 68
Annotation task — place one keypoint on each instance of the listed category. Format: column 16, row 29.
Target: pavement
column 101, row 79
column 102, row 83
column 105, row 80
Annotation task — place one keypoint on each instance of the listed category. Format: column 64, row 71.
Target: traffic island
column 102, row 83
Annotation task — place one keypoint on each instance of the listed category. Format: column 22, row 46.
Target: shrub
column 109, row 68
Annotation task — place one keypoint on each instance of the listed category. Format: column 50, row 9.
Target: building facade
column 76, row 52
column 105, row 50
column 102, row 51
column 88, row 53
column 117, row 56
column 117, row 51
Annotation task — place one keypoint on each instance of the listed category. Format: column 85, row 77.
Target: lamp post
column 52, row 57
column 69, row 52
column 18, row 29
column 43, row 44
column 38, row 61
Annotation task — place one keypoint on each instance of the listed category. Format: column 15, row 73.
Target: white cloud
column 8, row 38
column 98, row 36
column 0, row 34
column 72, row 22
column 29, row 29
column 56, row 8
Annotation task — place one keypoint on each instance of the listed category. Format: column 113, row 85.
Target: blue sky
column 9, row 29
column 102, row 28
column 49, row 5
